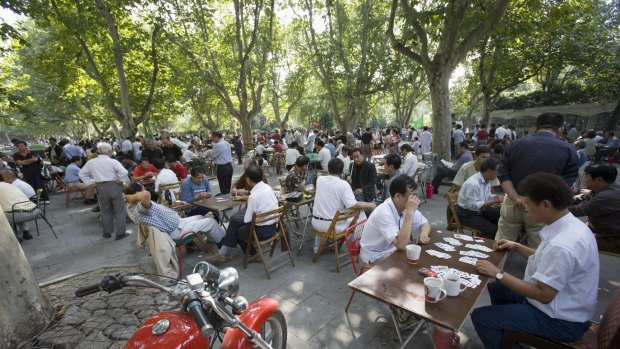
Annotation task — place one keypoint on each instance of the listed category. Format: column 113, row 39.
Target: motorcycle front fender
column 253, row 317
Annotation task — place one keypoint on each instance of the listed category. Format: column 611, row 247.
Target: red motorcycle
column 204, row 296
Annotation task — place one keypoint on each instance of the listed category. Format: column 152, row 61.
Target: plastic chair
column 333, row 236
column 352, row 238
column 605, row 335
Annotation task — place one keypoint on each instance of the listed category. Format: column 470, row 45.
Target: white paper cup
column 433, row 289
column 453, row 286
column 413, row 254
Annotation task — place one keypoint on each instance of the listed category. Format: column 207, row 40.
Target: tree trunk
column 246, row 133
column 486, row 108
column 440, row 99
column 25, row 310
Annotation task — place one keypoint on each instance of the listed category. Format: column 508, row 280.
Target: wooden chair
column 333, row 236
column 454, row 222
column 258, row 219
column 259, row 158
column 22, row 212
column 352, row 238
column 169, row 186
column 605, row 335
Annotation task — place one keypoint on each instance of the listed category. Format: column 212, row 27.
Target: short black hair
column 458, row 126
column 254, row 173
column 345, row 148
column 400, row 185
column 489, row 164
column 546, row 186
column 481, row 149
column 171, row 158
column 498, row 148
column 393, row 160
column 607, row 172
column 406, row 147
column 145, row 159
column 217, row 134
column 132, row 188
column 294, row 144
column 464, row 144
column 301, row 161
column 353, row 150
column 550, row 120
column 195, row 171
column 335, row 166
column 75, row 158
column 320, row 143
column 159, row 163
column 21, row 142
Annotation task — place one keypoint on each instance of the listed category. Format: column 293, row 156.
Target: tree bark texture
column 24, row 310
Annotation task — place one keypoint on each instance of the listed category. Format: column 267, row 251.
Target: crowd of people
column 522, row 190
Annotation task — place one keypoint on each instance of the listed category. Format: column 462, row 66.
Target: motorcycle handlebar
column 85, row 291
column 195, row 308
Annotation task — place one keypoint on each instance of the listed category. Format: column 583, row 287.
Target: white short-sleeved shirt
column 166, row 176
column 410, row 164
column 26, row 188
column 332, row 194
column 567, row 260
column 291, row 156
column 382, row 228
column 324, row 156
column 262, row 199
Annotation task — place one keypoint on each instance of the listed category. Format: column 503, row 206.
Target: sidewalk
column 312, row 295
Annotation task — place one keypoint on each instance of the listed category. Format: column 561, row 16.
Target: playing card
column 469, row 260
column 474, row 254
column 453, row 241
column 438, row 254
column 479, row 247
column 445, row 247
column 463, row 237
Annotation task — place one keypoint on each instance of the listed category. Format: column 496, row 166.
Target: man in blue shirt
column 196, row 188
column 331, row 145
column 222, row 157
column 73, row 180
column 449, row 172
column 610, row 147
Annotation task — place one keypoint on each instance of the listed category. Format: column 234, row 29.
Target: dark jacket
column 365, row 177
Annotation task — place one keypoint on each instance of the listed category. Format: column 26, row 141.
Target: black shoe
column 122, row 236
column 26, row 235
column 96, row 209
column 107, row 235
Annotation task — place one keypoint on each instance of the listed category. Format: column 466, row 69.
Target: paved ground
column 312, row 295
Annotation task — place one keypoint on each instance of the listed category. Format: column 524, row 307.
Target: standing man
column 222, row 157
column 171, row 149
column 310, row 141
column 109, row 176
column 152, row 152
column 366, row 139
column 541, row 152
column 426, row 139
column 459, row 137
column 30, row 165
column 363, row 177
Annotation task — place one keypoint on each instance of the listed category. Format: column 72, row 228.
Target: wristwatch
column 499, row 275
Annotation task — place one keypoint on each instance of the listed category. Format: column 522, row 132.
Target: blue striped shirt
column 221, row 152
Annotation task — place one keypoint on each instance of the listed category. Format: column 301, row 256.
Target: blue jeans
column 511, row 311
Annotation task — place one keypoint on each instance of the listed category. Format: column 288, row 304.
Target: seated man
column 334, row 194
column 610, row 147
column 164, row 176
column 261, row 150
column 262, row 199
column 390, row 226
column 363, row 177
column 557, row 297
column 144, row 171
column 73, row 180
column 477, row 206
column 296, row 178
column 10, row 177
column 11, row 195
column 344, row 156
column 323, row 156
column 410, row 160
column 142, row 210
column 196, row 188
column 176, row 167
column 449, row 172
column 392, row 168
column 601, row 205
column 469, row 169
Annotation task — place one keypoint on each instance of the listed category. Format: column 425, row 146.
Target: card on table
column 445, row 247
column 468, row 279
column 463, row 237
column 474, row 254
column 453, row 241
column 438, row 254
column 479, row 247
column 469, row 260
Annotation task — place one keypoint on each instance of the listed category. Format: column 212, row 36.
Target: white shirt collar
column 556, row 226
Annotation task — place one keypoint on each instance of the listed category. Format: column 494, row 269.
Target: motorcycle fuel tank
column 168, row 330
column 254, row 317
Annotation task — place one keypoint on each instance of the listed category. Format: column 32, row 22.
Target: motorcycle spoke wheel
column 274, row 330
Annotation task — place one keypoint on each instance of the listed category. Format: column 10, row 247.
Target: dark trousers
column 224, row 175
column 113, row 213
column 239, row 156
column 442, row 172
column 32, row 176
column 485, row 220
column 238, row 232
column 201, row 211
column 289, row 167
column 511, row 311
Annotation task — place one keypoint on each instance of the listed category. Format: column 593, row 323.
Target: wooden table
column 395, row 282
column 218, row 206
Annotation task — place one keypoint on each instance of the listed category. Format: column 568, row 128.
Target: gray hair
column 104, row 148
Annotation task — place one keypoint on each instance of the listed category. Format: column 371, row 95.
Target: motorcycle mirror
column 229, row 282
column 240, row 304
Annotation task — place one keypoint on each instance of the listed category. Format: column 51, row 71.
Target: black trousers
column 32, row 176
column 224, row 175
column 201, row 211
column 485, row 220
column 238, row 232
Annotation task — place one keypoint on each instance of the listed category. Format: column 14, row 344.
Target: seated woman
column 262, row 199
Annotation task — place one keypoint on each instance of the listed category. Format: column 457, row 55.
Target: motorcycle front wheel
column 274, row 330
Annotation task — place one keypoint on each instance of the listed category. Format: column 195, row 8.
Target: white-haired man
column 109, row 175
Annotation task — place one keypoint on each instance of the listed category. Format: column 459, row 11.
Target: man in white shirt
column 426, row 139
column 13, row 198
column 334, row 194
column 346, row 160
column 127, row 148
column 310, row 141
column 500, row 132
column 477, row 206
column 261, row 150
column 262, row 199
column 324, row 154
column 390, row 226
column 109, row 174
column 291, row 156
column 189, row 154
column 410, row 160
column 137, row 149
column 164, row 176
column 9, row 177
column 557, row 296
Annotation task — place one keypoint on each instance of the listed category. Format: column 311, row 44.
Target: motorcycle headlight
column 229, row 282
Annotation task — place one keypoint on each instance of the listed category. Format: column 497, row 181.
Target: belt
column 322, row 219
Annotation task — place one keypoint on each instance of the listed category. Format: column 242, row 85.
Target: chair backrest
column 343, row 216
column 169, row 186
column 454, row 218
column 609, row 328
column 352, row 238
column 259, row 218
column 282, row 181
